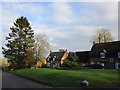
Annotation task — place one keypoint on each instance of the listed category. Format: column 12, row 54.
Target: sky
column 68, row 25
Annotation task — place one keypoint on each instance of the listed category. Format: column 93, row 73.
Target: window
column 98, row 62
column 118, row 54
column 102, row 64
column 92, row 63
column 53, row 59
column 102, row 55
column 117, row 65
column 111, row 59
column 83, row 64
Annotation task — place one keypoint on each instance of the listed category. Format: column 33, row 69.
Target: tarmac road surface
column 12, row 81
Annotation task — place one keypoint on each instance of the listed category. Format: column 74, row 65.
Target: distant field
column 71, row 78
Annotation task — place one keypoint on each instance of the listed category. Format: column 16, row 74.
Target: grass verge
column 71, row 78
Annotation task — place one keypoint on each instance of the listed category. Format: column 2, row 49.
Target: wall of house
column 64, row 57
column 109, row 64
column 40, row 62
column 83, row 63
column 94, row 60
column 55, row 64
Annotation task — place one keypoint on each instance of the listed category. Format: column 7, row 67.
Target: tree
column 72, row 56
column 61, row 50
column 20, row 42
column 42, row 46
column 102, row 36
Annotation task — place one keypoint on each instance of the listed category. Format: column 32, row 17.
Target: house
column 40, row 63
column 55, row 59
column 106, row 54
column 4, row 62
column 83, row 57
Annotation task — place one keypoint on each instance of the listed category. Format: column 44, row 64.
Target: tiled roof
column 83, row 56
column 58, row 55
column 111, row 49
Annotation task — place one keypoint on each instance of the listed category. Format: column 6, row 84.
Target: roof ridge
column 107, row 42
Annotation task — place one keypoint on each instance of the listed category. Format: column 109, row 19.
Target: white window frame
column 102, row 55
column 48, row 59
column 53, row 59
column 48, row 63
column 118, row 54
column 116, row 65
column 98, row 62
column 111, row 59
column 92, row 63
column 83, row 64
column 102, row 64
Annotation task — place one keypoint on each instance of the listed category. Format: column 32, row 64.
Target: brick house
column 106, row 54
column 55, row 59
column 83, row 57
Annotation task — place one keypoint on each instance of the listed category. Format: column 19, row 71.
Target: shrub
column 94, row 66
column 86, row 67
column 5, row 69
column 71, row 65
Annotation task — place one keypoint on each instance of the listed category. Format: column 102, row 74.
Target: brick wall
column 109, row 62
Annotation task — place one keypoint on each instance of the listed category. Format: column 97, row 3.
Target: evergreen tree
column 72, row 56
column 20, row 43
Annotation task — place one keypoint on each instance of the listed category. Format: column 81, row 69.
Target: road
column 12, row 81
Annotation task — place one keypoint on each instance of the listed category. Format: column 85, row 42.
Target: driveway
column 12, row 81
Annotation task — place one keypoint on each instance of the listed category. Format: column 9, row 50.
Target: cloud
column 67, row 25
column 49, row 31
column 60, row 1
column 2, row 42
column 98, row 13
column 20, row 9
column 107, row 11
column 62, row 13
column 71, row 37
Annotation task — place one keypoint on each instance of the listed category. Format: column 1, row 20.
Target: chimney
column 93, row 42
column 66, row 50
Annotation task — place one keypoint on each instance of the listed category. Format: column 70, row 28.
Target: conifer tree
column 20, row 44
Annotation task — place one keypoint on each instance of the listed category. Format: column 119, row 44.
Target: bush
column 86, row 67
column 70, row 65
column 5, row 68
column 72, row 56
column 68, row 68
column 94, row 66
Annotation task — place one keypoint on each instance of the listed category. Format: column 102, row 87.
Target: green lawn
column 71, row 78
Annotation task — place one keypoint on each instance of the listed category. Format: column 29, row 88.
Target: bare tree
column 102, row 35
column 42, row 46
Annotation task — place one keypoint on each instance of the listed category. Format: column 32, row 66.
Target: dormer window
column 102, row 55
column 118, row 54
